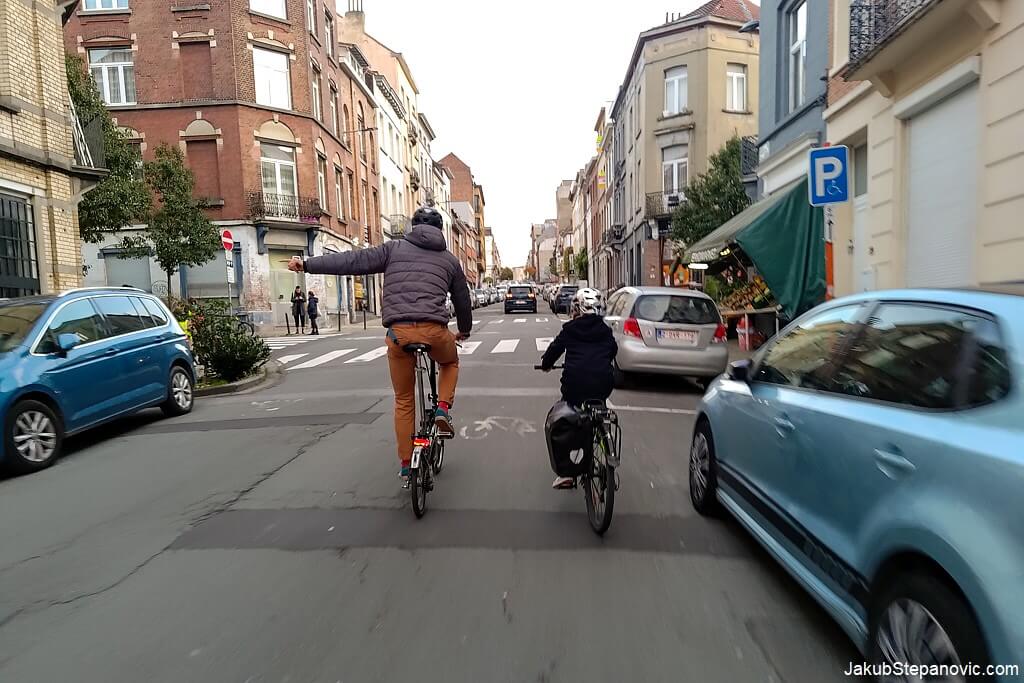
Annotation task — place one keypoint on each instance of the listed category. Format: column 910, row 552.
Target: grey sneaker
column 443, row 421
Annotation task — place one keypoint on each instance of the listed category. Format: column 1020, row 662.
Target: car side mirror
column 739, row 370
column 67, row 341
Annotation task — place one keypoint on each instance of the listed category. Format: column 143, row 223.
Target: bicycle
column 599, row 480
column 428, row 447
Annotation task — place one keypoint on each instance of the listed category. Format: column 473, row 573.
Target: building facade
column 276, row 121
column 48, row 158
column 929, row 96
column 794, row 58
column 466, row 192
column 687, row 90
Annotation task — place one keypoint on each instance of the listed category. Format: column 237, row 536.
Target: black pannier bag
column 566, row 431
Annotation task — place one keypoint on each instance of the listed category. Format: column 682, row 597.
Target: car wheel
column 180, row 393
column 919, row 619
column 703, row 471
column 33, row 436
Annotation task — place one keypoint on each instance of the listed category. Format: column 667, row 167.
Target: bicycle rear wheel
column 599, row 488
column 438, row 460
column 418, row 489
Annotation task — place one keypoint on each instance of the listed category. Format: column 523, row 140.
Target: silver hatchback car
column 661, row 330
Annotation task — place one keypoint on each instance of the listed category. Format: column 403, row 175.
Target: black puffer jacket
column 589, row 349
column 418, row 272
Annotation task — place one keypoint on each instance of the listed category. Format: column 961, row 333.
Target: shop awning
column 784, row 236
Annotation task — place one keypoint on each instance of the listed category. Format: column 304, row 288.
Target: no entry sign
column 227, row 240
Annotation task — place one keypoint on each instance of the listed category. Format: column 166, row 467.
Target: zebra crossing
column 501, row 347
column 280, row 343
column 513, row 321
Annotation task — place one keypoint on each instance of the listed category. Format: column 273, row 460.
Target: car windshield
column 676, row 310
column 567, row 291
column 520, row 291
column 16, row 321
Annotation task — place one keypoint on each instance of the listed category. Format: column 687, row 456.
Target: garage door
column 942, row 192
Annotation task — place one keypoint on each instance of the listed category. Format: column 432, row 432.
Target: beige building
column 929, row 96
column 45, row 160
column 689, row 87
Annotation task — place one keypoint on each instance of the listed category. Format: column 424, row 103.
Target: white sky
column 514, row 88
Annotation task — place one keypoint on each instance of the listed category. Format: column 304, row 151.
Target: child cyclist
column 589, row 349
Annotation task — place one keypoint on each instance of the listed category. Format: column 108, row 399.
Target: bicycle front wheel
column 599, row 489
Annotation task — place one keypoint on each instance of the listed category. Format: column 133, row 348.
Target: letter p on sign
column 828, row 172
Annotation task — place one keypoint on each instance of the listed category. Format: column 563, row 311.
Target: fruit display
column 751, row 295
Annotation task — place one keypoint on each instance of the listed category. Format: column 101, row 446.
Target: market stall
column 766, row 265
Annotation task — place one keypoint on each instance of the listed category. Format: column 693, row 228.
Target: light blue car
column 876, row 449
column 73, row 361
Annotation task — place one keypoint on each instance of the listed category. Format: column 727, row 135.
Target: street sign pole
column 228, row 242
column 828, row 183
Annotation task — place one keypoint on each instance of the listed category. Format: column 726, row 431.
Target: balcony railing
column 748, row 155
column 873, row 23
column 400, row 224
column 663, row 204
column 87, row 140
column 284, row 207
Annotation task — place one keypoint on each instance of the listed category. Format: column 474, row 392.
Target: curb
column 268, row 373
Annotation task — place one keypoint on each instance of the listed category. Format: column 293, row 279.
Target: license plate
column 683, row 337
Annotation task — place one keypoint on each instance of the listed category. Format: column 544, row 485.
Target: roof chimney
column 353, row 23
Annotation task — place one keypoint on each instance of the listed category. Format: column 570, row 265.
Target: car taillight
column 531, row 295
column 632, row 328
column 719, row 337
column 508, row 296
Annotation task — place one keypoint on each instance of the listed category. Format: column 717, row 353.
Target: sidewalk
column 330, row 326
column 736, row 354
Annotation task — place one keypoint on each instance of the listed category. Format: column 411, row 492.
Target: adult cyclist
column 419, row 272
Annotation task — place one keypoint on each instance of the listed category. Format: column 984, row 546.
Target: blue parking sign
column 828, row 175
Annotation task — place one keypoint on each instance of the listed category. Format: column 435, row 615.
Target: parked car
column 481, row 298
column 520, row 298
column 73, row 361
column 667, row 331
column 875, row 448
column 449, row 305
column 562, row 298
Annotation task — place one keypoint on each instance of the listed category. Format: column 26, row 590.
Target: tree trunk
column 168, row 273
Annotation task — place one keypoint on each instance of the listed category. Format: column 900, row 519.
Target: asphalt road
column 265, row 537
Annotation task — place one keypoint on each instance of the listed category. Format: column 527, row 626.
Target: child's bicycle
column 599, row 481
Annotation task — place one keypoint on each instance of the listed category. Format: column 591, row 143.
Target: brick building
column 276, row 119
column 47, row 159
column 465, row 189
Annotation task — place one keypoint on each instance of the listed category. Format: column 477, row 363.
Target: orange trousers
column 403, row 374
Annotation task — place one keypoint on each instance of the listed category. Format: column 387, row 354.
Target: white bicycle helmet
column 587, row 300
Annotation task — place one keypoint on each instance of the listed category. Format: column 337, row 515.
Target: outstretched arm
column 554, row 351
column 358, row 262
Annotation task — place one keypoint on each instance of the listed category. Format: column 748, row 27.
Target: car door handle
column 112, row 351
column 783, row 426
column 891, row 463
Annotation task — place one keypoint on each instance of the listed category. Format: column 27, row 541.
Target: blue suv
column 876, row 449
column 72, row 361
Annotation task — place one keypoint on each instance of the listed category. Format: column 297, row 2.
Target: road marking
column 506, row 346
column 519, row 320
column 469, row 347
column 288, row 359
column 542, row 320
column 369, row 355
column 650, row 409
column 497, row 322
column 543, row 343
column 320, row 360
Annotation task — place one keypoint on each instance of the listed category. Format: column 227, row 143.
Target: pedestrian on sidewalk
column 299, row 310
column 313, row 308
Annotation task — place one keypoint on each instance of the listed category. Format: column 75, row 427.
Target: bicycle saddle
column 416, row 348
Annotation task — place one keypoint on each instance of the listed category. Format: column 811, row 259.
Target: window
column 78, row 318
column 19, row 269
column 860, row 170
column 311, row 16
column 274, row 8
column 321, row 181
column 155, row 312
column 203, row 161
column 334, row 110
column 147, row 320
column 120, row 315
column 318, row 112
column 270, row 73
column 339, row 192
column 347, row 122
column 736, row 87
column 329, row 35
column 196, row 63
column 797, row 27
column 350, row 200
column 277, row 166
column 90, row 5
column 913, row 355
column 806, row 355
column 673, row 168
column 365, row 209
column 676, row 310
column 360, row 125
column 675, row 91
column 114, row 73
